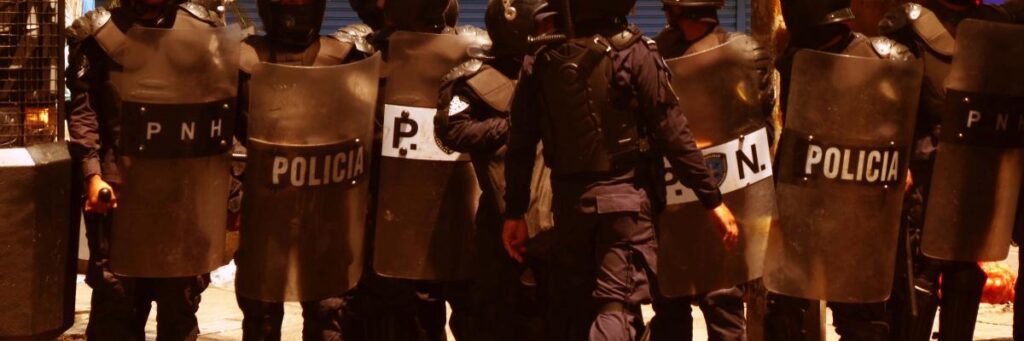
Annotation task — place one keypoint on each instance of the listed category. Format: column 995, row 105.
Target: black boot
column 962, row 284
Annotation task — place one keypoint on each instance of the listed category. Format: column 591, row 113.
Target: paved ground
column 220, row 319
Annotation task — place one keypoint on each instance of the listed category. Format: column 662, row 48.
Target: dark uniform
column 120, row 305
column 475, row 101
column 603, row 265
column 723, row 309
column 784, row 319
column 474, row 119
column 929, row 31
column 387, row 308
column 299, row 46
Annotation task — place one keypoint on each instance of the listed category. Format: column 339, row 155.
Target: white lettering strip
column 15, row 157
column 409, row 134
column 737, row 164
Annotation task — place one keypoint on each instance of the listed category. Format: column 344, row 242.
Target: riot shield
column 980, row 161
column 307, row 188
column 718, row 91
column 35, row 240
column 842, row 165
column 428, row 194
column 178, row 91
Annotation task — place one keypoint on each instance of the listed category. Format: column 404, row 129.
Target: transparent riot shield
column 428, row 194
column 980, row 161
column 178, row 92
column 718, row 89
column 842, row 166
column 307, row 180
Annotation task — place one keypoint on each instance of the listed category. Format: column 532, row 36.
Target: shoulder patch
column 889, row 49
column 203, row 13
column 357, row 35
column 87, row 25
column 930, row 29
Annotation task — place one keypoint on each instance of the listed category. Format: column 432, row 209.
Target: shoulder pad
column 86, row 25
column 627, row 38
column 651, row 43
column 469, row 68
column 930, row 29
column 480, row 42
column 493, row 88
column 898, row 18
column 890, row 49
column 356, row 34
column 210, row 16
column 332, row 52
column 478, row 35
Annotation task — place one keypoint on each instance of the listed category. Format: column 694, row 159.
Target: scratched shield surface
column 178, row 90
column 841, row 166
column 719, row 93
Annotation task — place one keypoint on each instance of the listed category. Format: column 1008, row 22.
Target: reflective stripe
column 409, row 134
column 744, row 161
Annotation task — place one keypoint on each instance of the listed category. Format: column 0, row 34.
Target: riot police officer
column 326, row 216
column 475, row 100
column 929, row 29
column 819, row 26
column 693, row 31
column 598, row 95
column 114, row 77
column 417, row 251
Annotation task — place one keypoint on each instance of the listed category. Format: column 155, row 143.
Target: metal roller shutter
column 735, row 16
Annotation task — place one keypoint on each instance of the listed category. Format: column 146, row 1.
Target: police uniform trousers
column 785, row 317
column 723, row 314
column 394, row 309
column 500, row 304
column 600, row 268
column 120, row 305
column 961, row 287
column 321, row 320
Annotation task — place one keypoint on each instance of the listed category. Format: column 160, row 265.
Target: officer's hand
column 93, row 202
column 727, row 223
column 514, row 236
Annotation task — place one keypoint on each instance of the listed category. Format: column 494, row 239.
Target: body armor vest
column 589, row 126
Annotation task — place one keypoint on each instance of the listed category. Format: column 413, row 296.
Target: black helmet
column 411, row 13
column 368, row 12
column 694, row 3
column 801, row 15
column 510, row 23
column 292, row 23
column 582, row 10
column 141, row 7
column 697, row 10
